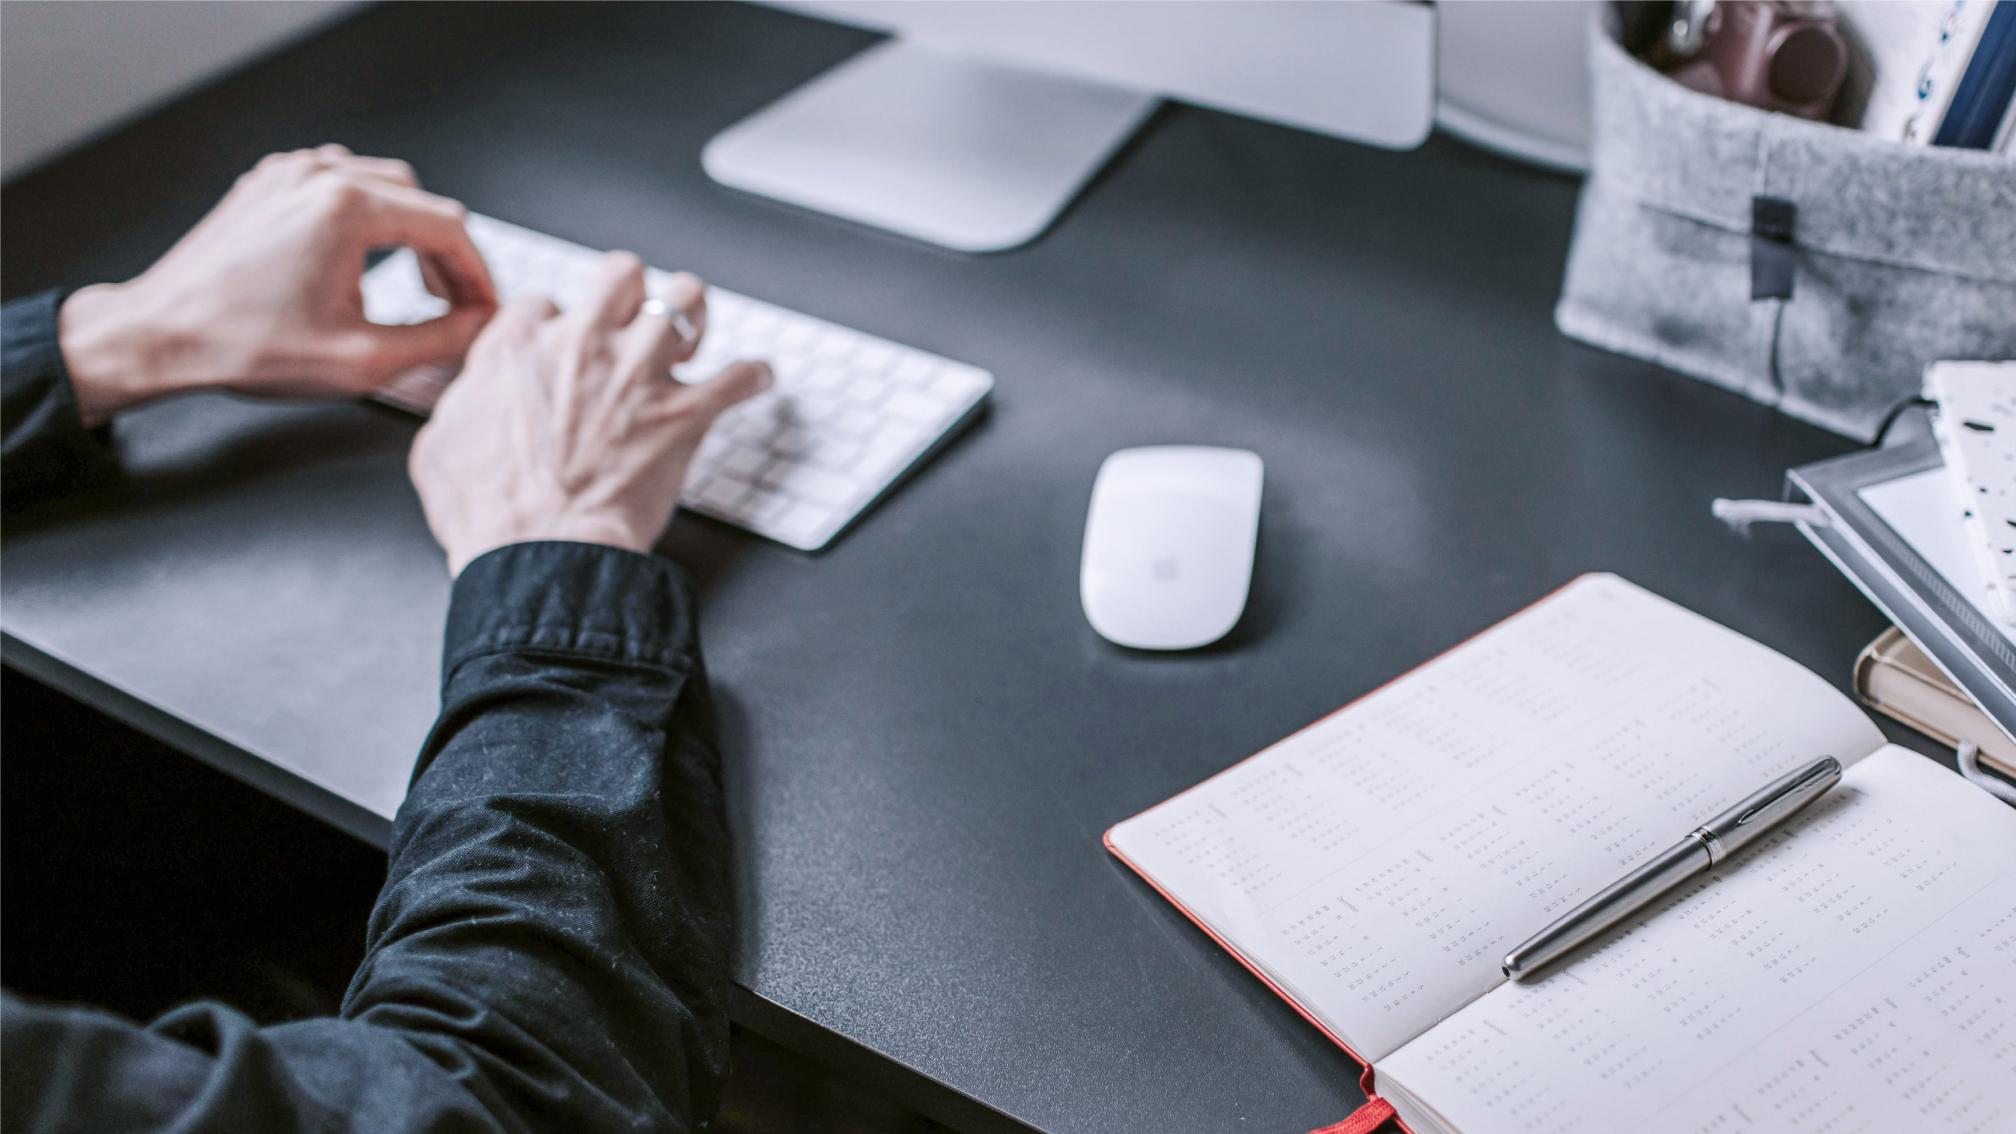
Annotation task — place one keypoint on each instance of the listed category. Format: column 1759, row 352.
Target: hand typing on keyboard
column 851, row 413
column 262, row 296
column 569, row 425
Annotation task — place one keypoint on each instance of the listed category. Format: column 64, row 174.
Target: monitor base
column 952, row 150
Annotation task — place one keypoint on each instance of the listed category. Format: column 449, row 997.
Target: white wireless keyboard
column 849, row 414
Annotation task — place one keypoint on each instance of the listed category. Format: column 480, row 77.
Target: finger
column 389, row 170
column 685, row 298
column 736, row 383
column 513, row 329
column 434, row 227
column 526, row 311
column 618, row 291
column 391, row 351
column 435, row 278
column 288, row 167
column 329, row 155
column 651, row 344
column 439, row 280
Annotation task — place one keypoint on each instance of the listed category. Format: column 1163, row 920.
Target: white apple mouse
column 1169, row 545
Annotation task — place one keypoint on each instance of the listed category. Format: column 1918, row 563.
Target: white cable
column 1740, row 514
column 1969, row 758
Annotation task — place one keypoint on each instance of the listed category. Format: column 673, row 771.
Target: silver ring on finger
column 681, row 322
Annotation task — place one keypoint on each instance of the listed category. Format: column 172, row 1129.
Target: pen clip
column 1757, row 812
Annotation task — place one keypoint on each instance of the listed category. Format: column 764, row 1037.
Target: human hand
column 570, row 426
column 264, row 296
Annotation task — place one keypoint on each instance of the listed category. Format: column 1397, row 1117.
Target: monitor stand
column 953, row 150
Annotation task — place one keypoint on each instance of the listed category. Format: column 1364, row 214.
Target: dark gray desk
column 926, row 740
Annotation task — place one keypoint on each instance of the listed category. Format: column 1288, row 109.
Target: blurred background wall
column 70, row 69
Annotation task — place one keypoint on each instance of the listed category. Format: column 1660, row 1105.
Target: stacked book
column 1894, row 677
column 1928, row 532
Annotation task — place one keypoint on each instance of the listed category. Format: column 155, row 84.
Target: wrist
column 573, row 528
column 118, row 352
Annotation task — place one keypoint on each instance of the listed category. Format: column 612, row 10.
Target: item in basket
column 1974, row 418
column 1786, row 56
column 1912, row 60
column 1986, row 93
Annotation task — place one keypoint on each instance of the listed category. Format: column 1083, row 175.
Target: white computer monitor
column 978, row 123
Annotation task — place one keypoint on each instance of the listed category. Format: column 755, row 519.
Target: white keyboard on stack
column 849, row 414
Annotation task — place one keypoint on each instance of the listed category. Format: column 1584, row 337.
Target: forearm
column 557, row 916
column 551, row 951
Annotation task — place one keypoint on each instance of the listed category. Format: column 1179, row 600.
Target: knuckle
column 275, row 166
column 342, row 195
column 360, row 355
column 530, row 307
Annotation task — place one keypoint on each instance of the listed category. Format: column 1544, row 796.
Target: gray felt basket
column 1812, row 268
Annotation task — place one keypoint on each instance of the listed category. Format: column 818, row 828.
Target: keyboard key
column 914, row 368
column 764, row 505
column 813, row 408
column 795, row 335
column 722, row 492
column 836, row 453
column 808, row 482
column 745, row 427
column 791, row 441
column 915, row 406
column 745, row 463
column 802, row 523
column 763, row 413
column 956, row 380
column 875, row 354
column 834, row 344
column 759, row 321
column 713, row 447
column 825, row 378
column 864, row 391
column 855, row 421
column 890, row 448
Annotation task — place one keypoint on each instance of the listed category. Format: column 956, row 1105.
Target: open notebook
column 1854, row 970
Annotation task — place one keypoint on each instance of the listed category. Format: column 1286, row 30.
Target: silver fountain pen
column 1704, row 848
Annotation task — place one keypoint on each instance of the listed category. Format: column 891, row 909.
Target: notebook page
column 1380, row 863
column 1856, row 966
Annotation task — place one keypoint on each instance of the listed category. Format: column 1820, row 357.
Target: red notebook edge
column 1376, row 1110
column 1366, row 1118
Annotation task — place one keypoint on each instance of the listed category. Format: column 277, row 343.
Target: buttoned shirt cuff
column 48, row 448
column 561, row 599
column 33, row 345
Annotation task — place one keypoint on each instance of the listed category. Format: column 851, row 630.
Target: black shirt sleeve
column 551, row 949
column 43, row 443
